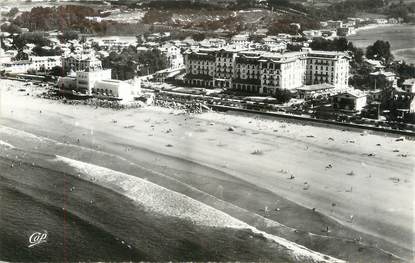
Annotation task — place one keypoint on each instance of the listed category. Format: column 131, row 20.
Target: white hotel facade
column 98, row 83
column 265, row 72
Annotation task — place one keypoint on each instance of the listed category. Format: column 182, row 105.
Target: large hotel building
column 265, row 72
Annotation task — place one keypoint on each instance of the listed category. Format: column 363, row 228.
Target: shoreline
column 373, row 26
column 204, row 139
column 270, row 224
column 409, row 58
column 299, row 119
column 398, row 35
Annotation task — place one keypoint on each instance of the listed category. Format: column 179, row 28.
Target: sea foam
column 6, row 144
column 166, row 202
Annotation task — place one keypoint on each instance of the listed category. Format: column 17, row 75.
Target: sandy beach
column 283, row 182
column 372, row 26
column 400, row 37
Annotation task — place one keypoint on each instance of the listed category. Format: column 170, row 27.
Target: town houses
column 173, row 54
column 245, row 63
column 264, row 72
column 77, row 62
column 45, row 63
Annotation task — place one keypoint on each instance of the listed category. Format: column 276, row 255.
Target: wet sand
column 367, row 201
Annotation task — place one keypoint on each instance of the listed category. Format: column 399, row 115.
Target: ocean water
column 35, row 204
column 89, row 222
column 401, row 37
column 100, row 224
column 407, row 54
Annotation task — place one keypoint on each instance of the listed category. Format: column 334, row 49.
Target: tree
column 199, row 37
column 403, row 71
column 347, row 8
column 11, row 28
column 130, row 63
column 34, row 38
column 283, row 95
column 282, row 26
column 21, row 56
column 292, row 47
column 69, row 35
column 380, row 50
column 278, row 3
column 255, row 39
column 361, row 77
column 338, row 44
column 41, row 51
column 358, row 55
column 13, row 12
column 57, row 71
column 68, row 17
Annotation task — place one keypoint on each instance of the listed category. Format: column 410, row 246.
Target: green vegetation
column 68, row 17
column 404, row 71
column 348, row 8
column 35, row 38
column 69, row 35
column 41, row 51
column 11, row 28
column 402, row 10
column 286, row 4
column 193, row 19
column 380, row 50
column 198, row 37
column 41, row 48
column 180, row 4
column 13, row 12
column 130, row 63
column 282, row 95
column 339, row 44
column 57, row 71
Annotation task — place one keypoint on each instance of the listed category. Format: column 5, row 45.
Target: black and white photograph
column 207, row 131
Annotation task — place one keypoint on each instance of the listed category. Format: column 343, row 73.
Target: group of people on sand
column 189, row 106
column 113, row 104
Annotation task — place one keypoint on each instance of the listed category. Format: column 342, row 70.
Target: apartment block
column 43, row 63
column 264, row 72
column 327, row 67
column 80, row 62
column 210, row 67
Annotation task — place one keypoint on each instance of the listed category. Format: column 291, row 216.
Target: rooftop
column 409, row 82
column 384, row 73
column 112, row 80
column 354, row 92
column 316, row 87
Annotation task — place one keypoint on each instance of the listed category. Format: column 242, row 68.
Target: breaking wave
column 6, row 144
column 166, row 202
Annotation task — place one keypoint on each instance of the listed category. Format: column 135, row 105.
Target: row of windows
column 102, row 91
column 270, row 82
column 247, row 88
column 248, row 66
column 201, row 62
column 248, row 71
column 321, row 67
column 322, row 62
column 254, row 77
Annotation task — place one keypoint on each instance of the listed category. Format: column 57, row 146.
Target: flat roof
column 316, row 87
column 111, row 80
